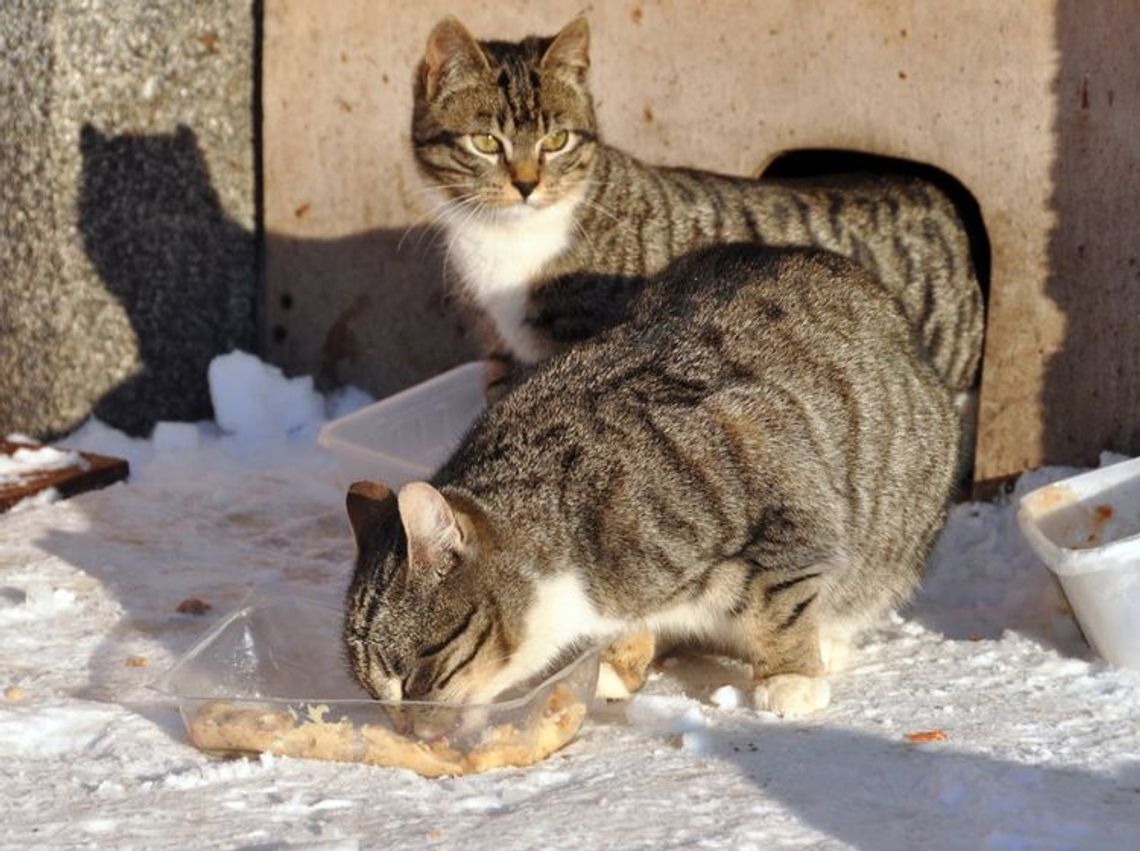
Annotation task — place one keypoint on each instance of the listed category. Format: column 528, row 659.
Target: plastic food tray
column 271, row 677
column 406, row 437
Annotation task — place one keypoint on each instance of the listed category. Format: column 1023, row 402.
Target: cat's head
column 429, row 614
column 503, row 128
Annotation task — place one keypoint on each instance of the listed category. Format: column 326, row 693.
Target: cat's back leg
column 784, row 627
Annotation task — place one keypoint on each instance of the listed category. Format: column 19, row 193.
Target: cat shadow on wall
column 156, row 233
column 368, row 308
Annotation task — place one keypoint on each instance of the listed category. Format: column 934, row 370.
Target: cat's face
column 504, row 128
column 425, row 619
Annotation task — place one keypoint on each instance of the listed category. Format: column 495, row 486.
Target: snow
column 31, row 461
column 253, row 399
column 727, row 697
column 1042, row 747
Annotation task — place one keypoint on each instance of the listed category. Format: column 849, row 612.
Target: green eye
column 485, row 143
column 556, row 141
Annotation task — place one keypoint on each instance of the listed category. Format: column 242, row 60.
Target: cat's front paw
column 625, row 664
column 792, row 695
column 610, row 686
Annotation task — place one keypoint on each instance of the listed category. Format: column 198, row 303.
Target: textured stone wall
column 127, row 250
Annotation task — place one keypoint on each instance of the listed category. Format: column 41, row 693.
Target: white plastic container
column 1087, row 531
column 406, row 437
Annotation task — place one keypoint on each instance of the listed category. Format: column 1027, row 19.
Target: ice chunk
column 665, row 713
column 727, row 697
column 254, row 400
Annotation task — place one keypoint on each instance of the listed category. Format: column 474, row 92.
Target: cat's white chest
column 498, row 259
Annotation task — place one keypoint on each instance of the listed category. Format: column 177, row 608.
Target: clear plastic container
column 1087, row 531
column 406, row 437
column 271, row 677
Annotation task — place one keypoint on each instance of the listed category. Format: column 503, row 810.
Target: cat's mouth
column 514, row 210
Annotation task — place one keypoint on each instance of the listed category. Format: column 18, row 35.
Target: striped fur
column 630, row 219
column 758, row 460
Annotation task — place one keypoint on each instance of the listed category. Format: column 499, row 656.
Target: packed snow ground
column 1042, row 749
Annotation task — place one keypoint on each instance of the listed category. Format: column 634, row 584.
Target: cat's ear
column 570, row 48
column 450, row 50
column 185, row 137
column 433, row 532
column 89, row 137
column 370, row 506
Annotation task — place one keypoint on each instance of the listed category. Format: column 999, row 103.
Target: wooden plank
column 99, row 472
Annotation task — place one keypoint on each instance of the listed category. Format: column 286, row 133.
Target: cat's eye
column 485, row 143
column 555, row 141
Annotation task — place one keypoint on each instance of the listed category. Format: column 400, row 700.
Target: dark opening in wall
column 818, row 162
column 815, row 163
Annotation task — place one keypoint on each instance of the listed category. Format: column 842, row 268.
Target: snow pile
column 33, row 461
column 728, row 697
column 665, row 714
column 254, row 400
column 1040, row 738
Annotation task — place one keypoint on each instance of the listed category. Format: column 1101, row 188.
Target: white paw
column 792, row 695
column 610, row 686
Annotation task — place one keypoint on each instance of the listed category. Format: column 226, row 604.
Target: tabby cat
column 756, row 461
column 550, row 229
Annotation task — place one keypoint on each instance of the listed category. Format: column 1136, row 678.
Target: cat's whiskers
column 582, row 232
column 440, row 216
column 477, row 207
column 435, row 187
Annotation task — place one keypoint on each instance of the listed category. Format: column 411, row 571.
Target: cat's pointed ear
column 89, row 137
column 570, row 48
column 433, row 532
column 370, row 507
column 450, row 49
column 185, row 137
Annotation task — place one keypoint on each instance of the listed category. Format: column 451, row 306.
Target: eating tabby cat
column 756, row 461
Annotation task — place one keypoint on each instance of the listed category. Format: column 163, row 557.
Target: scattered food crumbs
column 136, row 661
column 193, row 606
column 13, row 694
column 925, row 736
column 435, row 834
column 975, row 636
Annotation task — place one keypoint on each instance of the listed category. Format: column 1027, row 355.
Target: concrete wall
column 127, row 207
column 1032, row 106
column 128, row 256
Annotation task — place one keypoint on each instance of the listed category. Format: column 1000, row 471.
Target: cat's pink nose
column 525, row 187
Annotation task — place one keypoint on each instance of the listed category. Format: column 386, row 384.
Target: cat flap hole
column 829, row 162
column 825, row 162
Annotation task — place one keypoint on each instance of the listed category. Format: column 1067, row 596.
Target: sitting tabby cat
column 756, row 462
column 550, row 228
